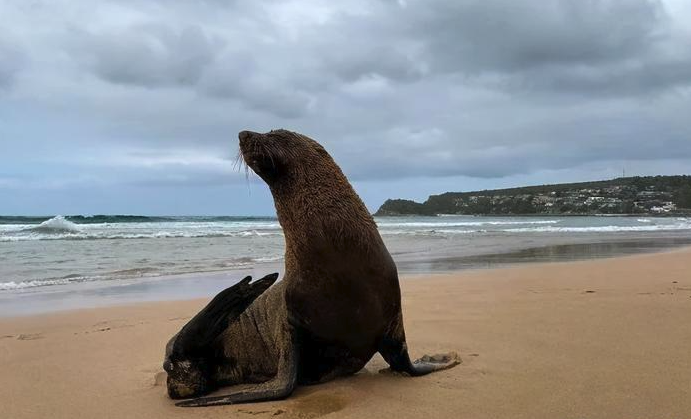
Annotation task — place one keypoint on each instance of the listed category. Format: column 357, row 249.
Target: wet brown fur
column 339, row 301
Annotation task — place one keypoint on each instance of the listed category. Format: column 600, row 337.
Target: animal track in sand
column 107, row 322
column 107, row 325
column 30, row 336
column 179, row 318
column 317, row 405
column 262, row 412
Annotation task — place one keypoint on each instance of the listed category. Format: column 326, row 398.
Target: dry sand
column 597, row 339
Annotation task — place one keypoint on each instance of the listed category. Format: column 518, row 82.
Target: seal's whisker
column 241, row 164
column 247, row 175
column 239, row 157
column 238, row 162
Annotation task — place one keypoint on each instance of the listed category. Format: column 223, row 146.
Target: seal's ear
column 213, row 319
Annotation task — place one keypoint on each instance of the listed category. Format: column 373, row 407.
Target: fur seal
column 338, row 304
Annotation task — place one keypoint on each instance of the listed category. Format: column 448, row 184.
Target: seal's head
column 188, row 375
column 308, row 187
column 286, row 159
column 191, row 356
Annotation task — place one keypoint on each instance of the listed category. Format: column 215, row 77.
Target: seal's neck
column 323, row 215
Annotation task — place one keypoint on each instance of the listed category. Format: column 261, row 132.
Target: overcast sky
column 134, row 106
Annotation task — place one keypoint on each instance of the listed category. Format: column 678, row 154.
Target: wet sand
column 604, row 338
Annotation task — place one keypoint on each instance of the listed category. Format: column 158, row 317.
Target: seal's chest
column 338, row 309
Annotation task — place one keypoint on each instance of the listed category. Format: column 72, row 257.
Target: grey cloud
column 358, row 46
column 485, row 89
column 149, row 55
column 651, row 76
column 591, row 47
column 601, row 47
column 238, row 76
column 11, row 61
column 508, row 36
column 508, row 143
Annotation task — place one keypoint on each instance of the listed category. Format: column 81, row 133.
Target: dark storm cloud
column 484, row 89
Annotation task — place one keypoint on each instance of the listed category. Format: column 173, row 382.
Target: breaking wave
column 81, row 235
column 55, row 225
column 131, row 219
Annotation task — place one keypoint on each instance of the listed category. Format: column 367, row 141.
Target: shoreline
column 224, row 279
column 62, row 253
column 196, row 285
column 599, row 339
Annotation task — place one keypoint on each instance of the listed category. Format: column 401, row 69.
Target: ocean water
column 40, row 253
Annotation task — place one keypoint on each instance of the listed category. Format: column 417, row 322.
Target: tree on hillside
column 683, row 197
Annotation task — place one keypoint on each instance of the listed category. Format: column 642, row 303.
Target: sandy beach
column 595, row 339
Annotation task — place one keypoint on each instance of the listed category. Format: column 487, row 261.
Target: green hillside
column 629, row 195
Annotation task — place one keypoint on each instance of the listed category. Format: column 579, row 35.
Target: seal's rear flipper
column 280, row 387
column 395, row 351
column 213, row 319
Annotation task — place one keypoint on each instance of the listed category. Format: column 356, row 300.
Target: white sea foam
column 268, row 259
column 601, row 229
column 56, row 225
column 430, row 232
column 104, row 235
column 59, row 228
column 11, row 285
column 539, row 226
column 384, row 225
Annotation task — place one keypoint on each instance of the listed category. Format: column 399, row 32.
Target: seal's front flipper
column 213, row 319
column 395, row 351
column 280, row 387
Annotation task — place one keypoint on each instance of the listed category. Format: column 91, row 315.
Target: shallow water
column 127, row 259
column 40, row 252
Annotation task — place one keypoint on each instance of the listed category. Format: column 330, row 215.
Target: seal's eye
column 268, row 167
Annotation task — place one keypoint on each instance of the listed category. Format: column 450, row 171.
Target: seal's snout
column 247, row 136
column 249, row 142
column 266, row 154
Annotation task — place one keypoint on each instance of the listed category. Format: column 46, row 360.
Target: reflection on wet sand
column 550, row 253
